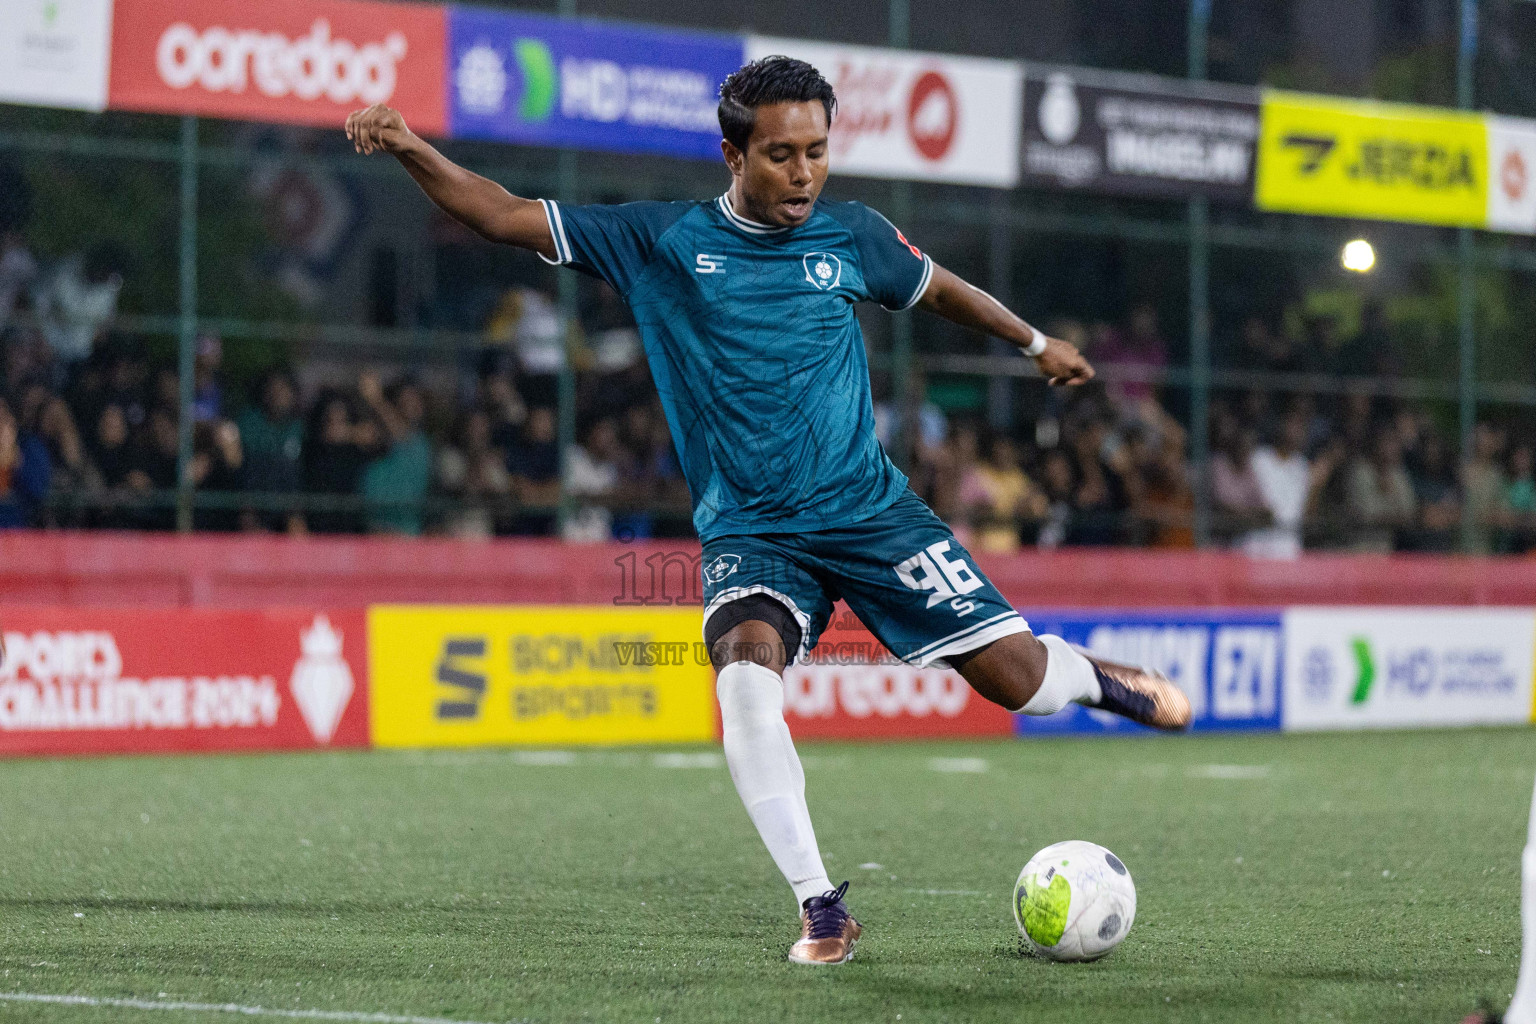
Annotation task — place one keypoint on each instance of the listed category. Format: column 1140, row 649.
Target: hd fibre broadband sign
column 1356, row 668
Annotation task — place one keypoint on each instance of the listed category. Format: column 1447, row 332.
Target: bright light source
column 1358, row 256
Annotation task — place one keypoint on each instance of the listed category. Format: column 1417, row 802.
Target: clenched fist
column 1062, row 363
column 378, row 128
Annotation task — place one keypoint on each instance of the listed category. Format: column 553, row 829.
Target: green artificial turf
column 1280, row 878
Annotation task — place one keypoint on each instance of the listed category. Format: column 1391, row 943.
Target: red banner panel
column 852, row 688
column 289, row 61
column 78, row 681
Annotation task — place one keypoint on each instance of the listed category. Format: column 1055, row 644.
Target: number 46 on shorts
column 947, row 579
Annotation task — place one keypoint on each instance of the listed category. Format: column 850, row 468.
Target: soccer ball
column 1074, row 901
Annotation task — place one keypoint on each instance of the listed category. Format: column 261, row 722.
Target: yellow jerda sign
column 468, row 676
column 1387, row 161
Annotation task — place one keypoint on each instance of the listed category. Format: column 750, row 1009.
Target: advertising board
column 1350, row 158
column 852, row 688
column 925, row 116
column 82, row 681
column 451, row 676
column 557, row 82
column 285, row 61
column 1356, row 668
column 1511, row 174
column 1229, row 664
column 53, row 53
column 1138, row 135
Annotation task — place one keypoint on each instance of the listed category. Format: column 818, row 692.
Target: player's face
column 784, row 167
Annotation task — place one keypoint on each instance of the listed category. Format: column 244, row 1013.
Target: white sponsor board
column 1512, row 174
column 53, row 53
column 926, row 116
column 1356, row 668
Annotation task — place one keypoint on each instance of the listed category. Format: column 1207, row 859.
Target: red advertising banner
column 852, row 688
column 288, row 61
column 81, row 681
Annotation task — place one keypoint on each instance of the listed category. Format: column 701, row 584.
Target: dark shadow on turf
column 184, row 905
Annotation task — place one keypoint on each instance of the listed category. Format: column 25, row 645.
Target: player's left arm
column 965, row 304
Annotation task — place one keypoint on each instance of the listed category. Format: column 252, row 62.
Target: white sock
column 1069, row 678
column 1522, row 1009
column 767, row 773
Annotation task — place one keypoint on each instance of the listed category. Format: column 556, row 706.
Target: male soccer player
column 745, row 307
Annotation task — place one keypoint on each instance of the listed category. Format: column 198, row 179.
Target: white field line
column 248, row 1011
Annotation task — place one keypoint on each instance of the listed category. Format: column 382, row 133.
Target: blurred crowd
column 90, row 435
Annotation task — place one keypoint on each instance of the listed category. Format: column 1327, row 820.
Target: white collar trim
column 750, row 226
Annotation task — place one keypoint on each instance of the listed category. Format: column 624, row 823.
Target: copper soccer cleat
column 828, row 932
column 1141, row 695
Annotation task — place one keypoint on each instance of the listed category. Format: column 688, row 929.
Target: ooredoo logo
column 312, row 66
column 889, row 691
column 933, row 115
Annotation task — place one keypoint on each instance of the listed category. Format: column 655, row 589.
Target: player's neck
column 739, row 208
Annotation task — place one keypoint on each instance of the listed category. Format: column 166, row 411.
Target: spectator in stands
column 997, row 497
column 397, row 480
column 592, row 477
column 1241, row 512
column 109, row 449
column 46, row 417
column 1287, row 484
column 337, row 448
column 528, row 321
column 1435, row 491
column 24, row 473
column 1484, row 485
column 534, row 463
column 1167, row 507
column 153, row 468
column 1108, row 485
column 1139, row 349
column 78, row 301
column 216, row 466
column 1380, row 495
column 272, row 438
column 497, row 396
column 473, row 472
column 207, row 394
column 1059, row 483
column 1520, row 496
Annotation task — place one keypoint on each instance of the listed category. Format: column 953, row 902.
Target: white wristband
column 1036, row 347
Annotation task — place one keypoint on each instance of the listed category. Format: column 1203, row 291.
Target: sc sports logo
column 481, row 80
column 823, row 269
column 709, row 263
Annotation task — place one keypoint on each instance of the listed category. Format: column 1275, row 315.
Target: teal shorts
column 901, row 571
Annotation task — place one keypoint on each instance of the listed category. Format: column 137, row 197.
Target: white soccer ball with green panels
column 1074, row 901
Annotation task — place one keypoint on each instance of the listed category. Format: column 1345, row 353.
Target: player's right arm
column 478, row 203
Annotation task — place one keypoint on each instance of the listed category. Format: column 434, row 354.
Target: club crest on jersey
column 823, row 270
column 721, row 567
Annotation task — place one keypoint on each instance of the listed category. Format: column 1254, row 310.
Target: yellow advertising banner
column 1387, row 161
column 453, row 676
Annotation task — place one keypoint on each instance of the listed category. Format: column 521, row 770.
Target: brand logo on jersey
column 823, row 270
column 721, row 567
column 706, row 263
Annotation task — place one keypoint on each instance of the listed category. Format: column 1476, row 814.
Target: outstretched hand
column 1063, row 364
column 378, row 128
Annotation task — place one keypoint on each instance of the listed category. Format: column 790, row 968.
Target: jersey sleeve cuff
column 922, row 284
column 557, row 232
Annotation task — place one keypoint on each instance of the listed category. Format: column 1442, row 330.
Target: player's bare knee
column 1007, row 672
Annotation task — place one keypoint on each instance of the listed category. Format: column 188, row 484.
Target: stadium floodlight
column 1358, row 255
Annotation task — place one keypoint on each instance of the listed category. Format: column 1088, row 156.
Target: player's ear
column 734, row 158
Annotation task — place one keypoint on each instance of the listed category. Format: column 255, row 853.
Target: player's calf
column 1042, row 675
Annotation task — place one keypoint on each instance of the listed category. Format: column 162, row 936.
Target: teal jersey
column 755, row 349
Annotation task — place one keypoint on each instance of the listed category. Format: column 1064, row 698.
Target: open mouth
column 797, row 207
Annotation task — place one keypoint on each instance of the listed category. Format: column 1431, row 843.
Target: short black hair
column 776, row 79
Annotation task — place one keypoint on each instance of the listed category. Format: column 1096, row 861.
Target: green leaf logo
column 50, row 12
column 1043, row 908
column 538, row 67
column 1367, row 670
